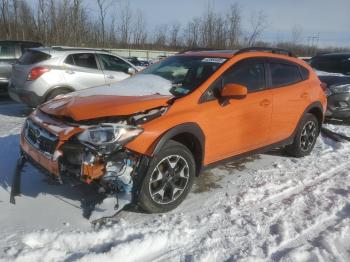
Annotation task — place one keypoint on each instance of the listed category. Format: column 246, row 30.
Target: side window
column 304, row 73
column 7, row 51
column 82, row 60
column 284, row 74
column 69, row 60
column 251, row 75
column 113, row 63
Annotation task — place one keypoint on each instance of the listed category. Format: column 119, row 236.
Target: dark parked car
column 10, row 51
column 334, row 70
column 139, row 63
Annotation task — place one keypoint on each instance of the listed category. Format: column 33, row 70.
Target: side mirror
column 131, row 71
column 236, row 91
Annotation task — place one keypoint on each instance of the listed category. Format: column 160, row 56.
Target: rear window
column 283, row 74
column 7, row 51
column 32, row 57
column 332, row 63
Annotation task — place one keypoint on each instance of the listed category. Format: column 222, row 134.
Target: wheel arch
column 317, row 110
column 191, row 136
column 51, row 89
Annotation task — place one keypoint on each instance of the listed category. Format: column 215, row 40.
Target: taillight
column 36, row 72
column 324, row 86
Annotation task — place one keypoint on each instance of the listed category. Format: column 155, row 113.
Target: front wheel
column 306, row 136
column 168, row 179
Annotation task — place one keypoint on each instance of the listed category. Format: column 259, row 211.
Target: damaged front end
column 91, row 151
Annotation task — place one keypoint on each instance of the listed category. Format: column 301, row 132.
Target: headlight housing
column 108, row 137
column 340, row 89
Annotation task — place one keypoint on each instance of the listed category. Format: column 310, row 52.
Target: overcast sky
column 328, row 19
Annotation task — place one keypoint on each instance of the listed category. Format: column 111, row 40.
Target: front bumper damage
column 52, row 146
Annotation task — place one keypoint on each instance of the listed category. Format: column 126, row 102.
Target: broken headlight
column 108, row 137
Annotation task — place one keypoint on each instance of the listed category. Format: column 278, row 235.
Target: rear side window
column 32, row 57
column 7, row 51
column 332, row 63
column 304, row 73
column 284, row 74
column 82, row 60
column 251, row 75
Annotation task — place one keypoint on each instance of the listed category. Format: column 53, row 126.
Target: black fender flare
column 185, row 128
column 315, row 105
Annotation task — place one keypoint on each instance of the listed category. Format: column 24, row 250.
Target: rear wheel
column 306, row 136
column 56, row 92
column 168, row 180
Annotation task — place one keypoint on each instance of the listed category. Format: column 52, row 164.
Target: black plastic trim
column 186, row 128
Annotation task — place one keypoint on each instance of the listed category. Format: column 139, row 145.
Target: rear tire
column 168, row 180
column 56, row 92
column 306, row 136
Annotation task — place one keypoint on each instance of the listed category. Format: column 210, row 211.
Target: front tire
column 168, row 180
column 306, row 136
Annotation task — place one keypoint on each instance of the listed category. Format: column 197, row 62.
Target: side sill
column 264, row 149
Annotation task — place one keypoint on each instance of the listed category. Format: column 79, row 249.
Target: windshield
column 332, row 63
column 185, row 73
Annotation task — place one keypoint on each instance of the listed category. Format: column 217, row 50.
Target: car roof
column 20, row 42
column 210, row 53
column 230, row 53
column 343, row 54
column 58, row 51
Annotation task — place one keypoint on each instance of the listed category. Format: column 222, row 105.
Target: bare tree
column 174, row 39
column 233, row 21
column 160, row 37
column 192, row 33
column 258, row 23
column 5, row 17
column 139, row 34
column 296, row 35
column 125, row 17
column 103, row 6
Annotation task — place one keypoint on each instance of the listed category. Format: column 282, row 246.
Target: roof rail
column 266, row 49
column 69, row 48
column 199, row 49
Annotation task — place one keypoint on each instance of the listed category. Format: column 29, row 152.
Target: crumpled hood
column 133, row 95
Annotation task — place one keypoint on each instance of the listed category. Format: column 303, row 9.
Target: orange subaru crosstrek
column 147, row 137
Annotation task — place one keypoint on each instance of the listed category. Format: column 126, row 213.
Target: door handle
column 304, row 95
column 265, row 102
column 71, row 72
column 110, row 76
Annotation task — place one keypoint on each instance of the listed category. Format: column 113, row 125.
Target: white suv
column 43, row 73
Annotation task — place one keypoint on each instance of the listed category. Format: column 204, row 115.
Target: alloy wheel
column 308, row 136
column 169, row 179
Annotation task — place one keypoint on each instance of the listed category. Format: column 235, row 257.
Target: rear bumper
column 338, row 106
column 23, row 96
column 3, row 86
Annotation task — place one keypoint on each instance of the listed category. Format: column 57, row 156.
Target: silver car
column 43, row 73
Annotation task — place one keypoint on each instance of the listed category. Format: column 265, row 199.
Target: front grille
column 40, row 138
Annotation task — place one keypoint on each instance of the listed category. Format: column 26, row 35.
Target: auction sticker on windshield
column 214, row 60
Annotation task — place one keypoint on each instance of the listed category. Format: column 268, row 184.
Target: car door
column 242, row 124
column 81, row 71
column 290, row 98
column 114, row 68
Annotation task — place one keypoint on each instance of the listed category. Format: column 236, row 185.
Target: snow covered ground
column 265, row 208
